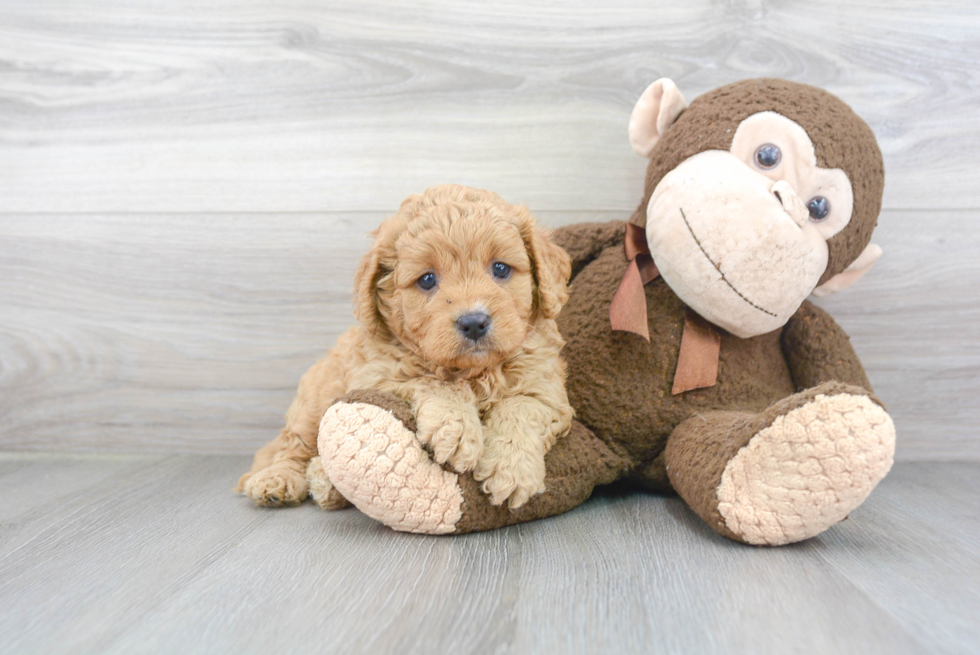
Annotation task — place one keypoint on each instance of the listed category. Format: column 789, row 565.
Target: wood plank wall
column 186, row 186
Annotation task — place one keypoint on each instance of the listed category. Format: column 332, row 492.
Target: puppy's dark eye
column 427, row 282
column 819, row 208
column 768, row 156
column 501, row 271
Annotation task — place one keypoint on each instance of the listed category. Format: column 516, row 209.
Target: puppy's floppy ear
column 374, row 278
column 550, row 265
column 367, row 301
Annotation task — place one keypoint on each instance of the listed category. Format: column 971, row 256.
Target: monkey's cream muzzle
column 734, row 245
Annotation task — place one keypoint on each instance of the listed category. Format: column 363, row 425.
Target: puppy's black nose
column 473, row 326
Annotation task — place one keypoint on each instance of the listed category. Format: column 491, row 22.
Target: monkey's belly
column 620, row 385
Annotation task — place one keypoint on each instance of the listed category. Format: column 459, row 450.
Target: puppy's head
column 460, row 277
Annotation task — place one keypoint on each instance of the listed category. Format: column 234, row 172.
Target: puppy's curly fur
column 494, row 405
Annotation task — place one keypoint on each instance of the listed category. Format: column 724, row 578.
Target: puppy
column 456, row 304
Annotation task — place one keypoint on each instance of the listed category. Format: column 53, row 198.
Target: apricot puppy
column 456, row 305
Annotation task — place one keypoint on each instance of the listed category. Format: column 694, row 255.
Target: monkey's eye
column 768, row 156
column 819, row 208
column 427, row 282
column 501, row 271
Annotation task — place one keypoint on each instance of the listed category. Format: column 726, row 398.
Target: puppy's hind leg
column 322, row 490
column 278, row 475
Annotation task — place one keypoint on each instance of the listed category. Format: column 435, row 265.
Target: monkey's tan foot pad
column 376, row 463
column 808, row 470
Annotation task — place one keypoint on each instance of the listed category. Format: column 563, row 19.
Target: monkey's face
column 756, row 194
column 741, row 235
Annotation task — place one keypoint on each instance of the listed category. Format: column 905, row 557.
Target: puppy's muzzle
column 473, row 326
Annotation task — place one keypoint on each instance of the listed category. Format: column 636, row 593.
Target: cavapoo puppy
column 456, row 304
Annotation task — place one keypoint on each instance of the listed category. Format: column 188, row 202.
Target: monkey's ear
column 851, row 274
column 655, row 111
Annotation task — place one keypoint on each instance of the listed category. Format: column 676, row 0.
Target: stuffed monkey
column 695, row 362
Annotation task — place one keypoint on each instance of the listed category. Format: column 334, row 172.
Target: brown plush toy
column 695, row 362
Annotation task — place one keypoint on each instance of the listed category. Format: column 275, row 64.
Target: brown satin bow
column 697, row 363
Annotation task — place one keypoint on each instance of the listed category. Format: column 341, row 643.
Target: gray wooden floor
column 154, row 554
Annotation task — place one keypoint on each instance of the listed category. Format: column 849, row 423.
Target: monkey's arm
column 584, row 241
column 818, row 350
column 370, row 454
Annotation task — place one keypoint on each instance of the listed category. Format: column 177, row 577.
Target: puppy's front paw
column 510, row 472
column 277, row 485
column 453, row 431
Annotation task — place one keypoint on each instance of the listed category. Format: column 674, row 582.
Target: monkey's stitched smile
column 718, row 268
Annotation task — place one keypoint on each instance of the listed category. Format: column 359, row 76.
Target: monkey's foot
column 377, row 463
column 807, row 470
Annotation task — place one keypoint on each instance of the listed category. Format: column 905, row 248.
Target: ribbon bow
column 697, row 363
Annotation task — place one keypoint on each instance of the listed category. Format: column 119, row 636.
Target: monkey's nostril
column 791, row 202
column 473, row 326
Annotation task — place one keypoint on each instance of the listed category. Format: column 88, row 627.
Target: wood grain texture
column 913, row 321
column 188, row 333
column 161, row 557
column 292, row 105
column 923, row 510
